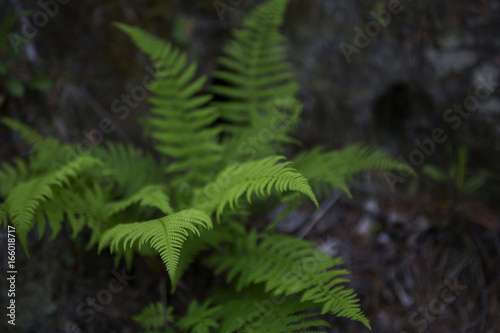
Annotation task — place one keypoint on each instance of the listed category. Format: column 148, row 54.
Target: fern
column 11, row 175
column 260, row 108
column 258, row 177
column 46, row 153
column 154, row 316
column 288, row 266
column 23, row 201
column 88, row 207
column 166, row 235
column 267, row 135
column 333, row 169
column 150, row 195
column 129, row 167
column 257, row 312
column 209, row 239
column 27, row 134
column 180, row 115
column 135, row 203
column 256, row 67
column 200, row 319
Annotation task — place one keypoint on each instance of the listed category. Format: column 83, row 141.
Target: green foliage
column 257, row 177
column 154, row 316
column 180, row 115
column 255, row 67
column 166, row 235
column 282, row 315
column 333, row 169
column 23, row 200
column 457, row 174
column 200, row 319
column 289, row 266
column 135, row 203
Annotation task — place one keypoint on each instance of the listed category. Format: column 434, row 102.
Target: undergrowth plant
column 195, row 204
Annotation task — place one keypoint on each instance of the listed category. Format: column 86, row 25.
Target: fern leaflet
column 150, row 195
column 166, row 235
column 23, row 201
column 261, row 313
column 154, row 316
column 333, row 169
column 256, row 66
column 180, row 116
column 200, row 318
column 288, row 266
column 258, row 177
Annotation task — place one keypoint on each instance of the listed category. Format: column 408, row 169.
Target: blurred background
column 418, row 79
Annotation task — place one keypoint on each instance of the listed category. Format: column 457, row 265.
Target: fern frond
column 130, row 167
column 256, row 68
column 166, row 235
column 86, row 206
column 149, row 196
column 333, row 169
column 23, row 201
column 268, row 134
column 10, row 175
column 261, row 312
column 154, row 316
column 77, row 205
column 180, row 116
column 49, row 213
column 209, row 239
column 46, row 152
column 259, row 177
column 200, row 318
column 27, row 134
column 288, row 266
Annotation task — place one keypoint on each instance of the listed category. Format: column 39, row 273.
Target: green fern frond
column 210, row 239
column 288, row 266
column 49, row 213
column 154, row 316
column 200, row 318
column 256, row 66
column 180, row 114
column 46, row 153
column 259, row 177
column 87, row 207
column 166, row 235
column 268, row 134
column 149, row 196
column 27, row 134
column 23, row 201
column 262, row 313
column 333, row 169
column 130, row 167
column 77, row 205
column 10, row 175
